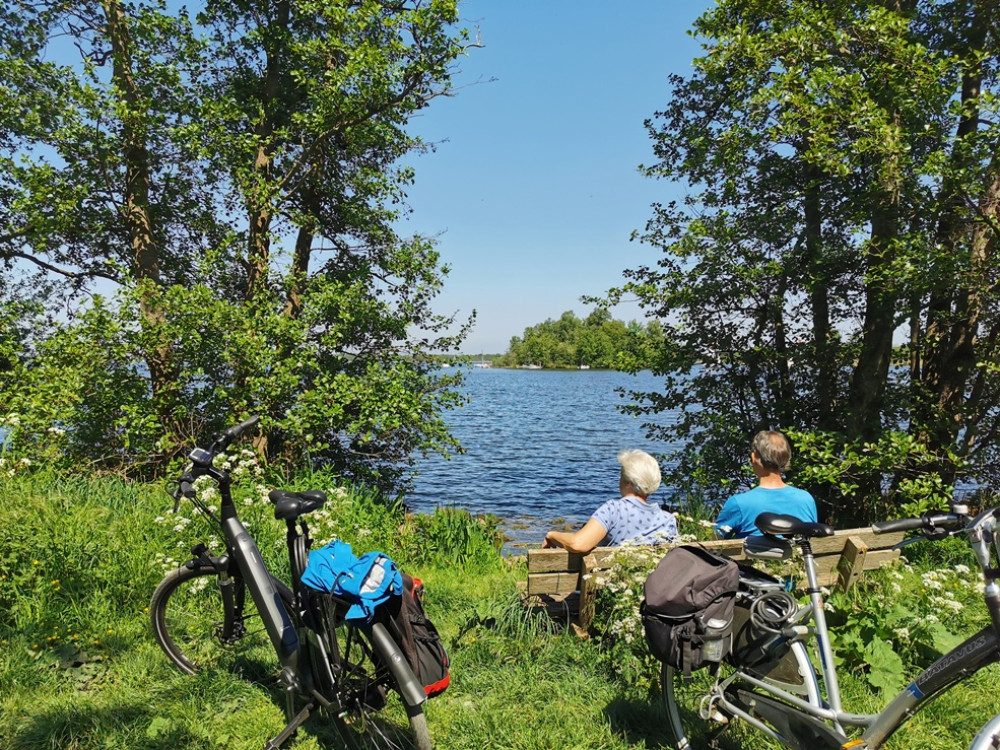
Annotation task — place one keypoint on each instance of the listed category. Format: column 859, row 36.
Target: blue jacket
column 366, row 582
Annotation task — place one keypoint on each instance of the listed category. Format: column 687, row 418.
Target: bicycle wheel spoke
column 189, row 623
column 371, row 713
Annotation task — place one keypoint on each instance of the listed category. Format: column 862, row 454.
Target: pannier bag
column 419, row 639
column 687, row 609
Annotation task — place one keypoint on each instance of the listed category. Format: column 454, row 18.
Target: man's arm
column 581, row 541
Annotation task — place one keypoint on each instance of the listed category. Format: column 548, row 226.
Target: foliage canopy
column 197, row 221
column 833, row 271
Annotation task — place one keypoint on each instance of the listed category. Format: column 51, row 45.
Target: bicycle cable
column 773, row 609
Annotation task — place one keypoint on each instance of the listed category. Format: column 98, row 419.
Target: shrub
column 454, row 537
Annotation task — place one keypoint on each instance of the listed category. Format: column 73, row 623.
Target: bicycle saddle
column 779, row 524
column 291, row 505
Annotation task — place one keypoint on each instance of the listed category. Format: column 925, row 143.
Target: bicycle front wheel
column 191, row 625
column 367, row 708
column 698, row 721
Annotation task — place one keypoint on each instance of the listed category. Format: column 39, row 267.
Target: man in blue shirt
column 770, row 455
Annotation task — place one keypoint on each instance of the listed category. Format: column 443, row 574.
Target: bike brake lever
column 184, row 489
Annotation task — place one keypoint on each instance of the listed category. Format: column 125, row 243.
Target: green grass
column 79, row 669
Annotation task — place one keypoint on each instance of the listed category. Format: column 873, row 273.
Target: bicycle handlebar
column 201, row 459
column 929, row 524
column 222, row 442
column 234, row 432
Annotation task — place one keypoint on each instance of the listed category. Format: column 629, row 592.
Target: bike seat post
column 819, row 618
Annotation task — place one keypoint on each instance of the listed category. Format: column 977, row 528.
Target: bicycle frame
column 792, row 712
column 288, row 634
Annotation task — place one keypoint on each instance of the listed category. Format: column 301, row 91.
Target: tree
column 597, row 341
column 844, row 158
column 236, row 181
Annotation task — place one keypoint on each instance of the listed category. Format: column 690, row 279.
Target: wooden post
column 588, row 591
column 851, row 563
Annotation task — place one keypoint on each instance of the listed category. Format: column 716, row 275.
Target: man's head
column 640, row 471
column 772, row 450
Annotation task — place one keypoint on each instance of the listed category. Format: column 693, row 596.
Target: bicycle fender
column 988, row 737
column 410, row 688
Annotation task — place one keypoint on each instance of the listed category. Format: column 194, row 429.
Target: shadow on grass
column 140, row 728
column 642, row 723
column 89, row 726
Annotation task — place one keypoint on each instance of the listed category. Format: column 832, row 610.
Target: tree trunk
column 817, row 286
column 260, row 207
column 955, row 305
column 135, row 201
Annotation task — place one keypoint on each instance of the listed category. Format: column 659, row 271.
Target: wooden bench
column 567, row 582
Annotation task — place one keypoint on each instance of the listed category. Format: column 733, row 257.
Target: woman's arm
column 581, row 541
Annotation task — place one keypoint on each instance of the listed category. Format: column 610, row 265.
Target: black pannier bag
column 419, row 639
column 687, row 609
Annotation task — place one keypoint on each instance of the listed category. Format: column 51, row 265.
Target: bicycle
column 769, row 683
column 203, row 618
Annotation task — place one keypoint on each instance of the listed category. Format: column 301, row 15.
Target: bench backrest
column 839, row 559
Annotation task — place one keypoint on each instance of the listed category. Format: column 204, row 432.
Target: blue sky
column 533, row 189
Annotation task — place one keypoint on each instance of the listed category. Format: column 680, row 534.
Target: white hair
column 640, row 470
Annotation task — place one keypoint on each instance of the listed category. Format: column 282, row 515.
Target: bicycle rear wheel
column 368, row 710
column 695, row 723
column 190, row 624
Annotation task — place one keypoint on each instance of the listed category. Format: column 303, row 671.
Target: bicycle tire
column 188, row 617
column 686, row 701
column 368, row 711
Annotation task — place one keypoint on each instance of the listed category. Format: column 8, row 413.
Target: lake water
column 541, row 448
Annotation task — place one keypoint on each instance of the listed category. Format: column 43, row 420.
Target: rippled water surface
column 541, row 448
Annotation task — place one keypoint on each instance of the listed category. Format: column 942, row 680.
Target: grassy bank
column 79, row 559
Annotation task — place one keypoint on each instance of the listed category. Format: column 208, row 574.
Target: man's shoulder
column 744, row 495
column 798, row 491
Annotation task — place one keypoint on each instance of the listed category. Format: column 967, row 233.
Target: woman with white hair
column 627, row 518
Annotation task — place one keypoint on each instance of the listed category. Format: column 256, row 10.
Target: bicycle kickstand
column 291, row 728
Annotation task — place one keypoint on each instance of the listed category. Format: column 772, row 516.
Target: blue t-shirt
column 630, row 519
column 736, row 519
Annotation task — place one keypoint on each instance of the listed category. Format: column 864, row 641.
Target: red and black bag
column 419, row 639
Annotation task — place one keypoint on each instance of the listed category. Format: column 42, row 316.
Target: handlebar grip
column 187, row 489
column 237, row 430
column 901, row 524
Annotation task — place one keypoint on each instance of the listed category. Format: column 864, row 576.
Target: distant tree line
column 597, row 341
